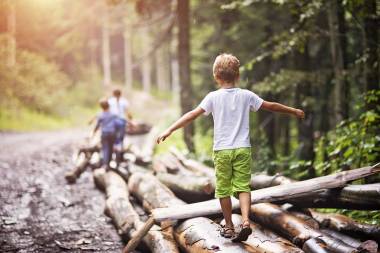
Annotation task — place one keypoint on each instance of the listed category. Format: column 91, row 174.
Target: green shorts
column 233, row 171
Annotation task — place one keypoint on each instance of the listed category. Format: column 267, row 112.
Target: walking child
column 107, row 122
column 230, row 107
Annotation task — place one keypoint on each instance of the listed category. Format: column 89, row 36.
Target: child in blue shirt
column 107, row 122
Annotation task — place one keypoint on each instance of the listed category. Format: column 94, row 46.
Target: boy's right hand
column 163, row 136
column 299, row 114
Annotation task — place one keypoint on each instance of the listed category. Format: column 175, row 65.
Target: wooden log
column 264, row 240
column 275, row 193
column 138, row 128
column 315, row 245
column 358, row 197
column 368, row 246
column 345, row 224
column 124, row 216
column 201, row 235
column 81, row 162
column 190, row 188
column 295, row 229
column 151, row 192
column 272, row 194
column 193, row 165
column 265, row 181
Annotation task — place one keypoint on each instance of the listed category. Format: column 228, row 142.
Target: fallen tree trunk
column 264, row 240
column 272, row 194
column 265, row 181
column 138, row 128
column 358, row 197
column 81, row 163
column 194, row 165
column 125, row 218
column 345, row 224
column 189, row 188
column 368, row 245
column 276, row 193
column 296, row 229
column 201, row 235
column 315, row 245
column 151, row 192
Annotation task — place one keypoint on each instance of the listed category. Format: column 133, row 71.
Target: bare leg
column 226, row 205
column 245, row 203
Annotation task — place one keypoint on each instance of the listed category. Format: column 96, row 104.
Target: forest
column 59, row 57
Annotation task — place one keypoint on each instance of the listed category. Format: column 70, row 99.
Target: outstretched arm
column 181, row 122
column 277, row 107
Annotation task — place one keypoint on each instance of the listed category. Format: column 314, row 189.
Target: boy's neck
column 227, row 85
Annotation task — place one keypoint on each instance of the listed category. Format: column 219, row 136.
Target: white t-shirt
column 118, row 107
column 230, row 110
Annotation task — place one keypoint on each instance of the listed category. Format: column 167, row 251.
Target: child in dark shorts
column 107, row 122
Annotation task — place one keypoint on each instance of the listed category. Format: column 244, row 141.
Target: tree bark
column 81, row 162
column 264, row 240
column 338, row 54
column 186, row 94
column 201, row 235
column 163, row 67
column 343, row 223
column 124, row 216
column 128, row 68
column 315, row 245
column 296, row 229
column 276, row 193
column 358, row 197
column 151, row 192
column 372, row 66
column 193, row 189
column 146, row 64
column 106, row 49
column 11, row 29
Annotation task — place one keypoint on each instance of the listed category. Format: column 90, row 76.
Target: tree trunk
column 163, row 67
column 276, row 193
column 186, row 94
column 372, row 66
column 315, row 245
column 106, row 49
column 81, row 162
column 358, row 197
column 338, row 54
column 151, row 192
column 303, row 100
column 264, row 240
column 146, row 64
column 296, row 229
column 124, row 216
column 201, row 235
column 128, row 68
column 11, row 29
column 343, row 223
column 193, row 189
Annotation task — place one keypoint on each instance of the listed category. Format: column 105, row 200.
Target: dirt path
column 39, row 212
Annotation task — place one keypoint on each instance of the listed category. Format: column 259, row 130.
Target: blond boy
column 230, row 107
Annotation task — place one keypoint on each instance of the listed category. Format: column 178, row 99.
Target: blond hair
column 226, row 68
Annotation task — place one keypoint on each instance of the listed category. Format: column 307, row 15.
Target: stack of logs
column 171, row 181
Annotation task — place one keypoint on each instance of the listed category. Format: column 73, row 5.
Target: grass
column 24, row 119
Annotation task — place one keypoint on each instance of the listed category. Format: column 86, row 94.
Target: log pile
column 170, row 187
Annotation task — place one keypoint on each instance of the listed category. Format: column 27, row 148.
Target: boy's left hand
column 299, row 114
column 163, row 136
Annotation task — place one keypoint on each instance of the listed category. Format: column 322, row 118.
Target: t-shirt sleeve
column 255, row 101
column 206, row 104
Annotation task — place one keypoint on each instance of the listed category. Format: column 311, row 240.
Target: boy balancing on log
column 230, row 107
column 107, row 122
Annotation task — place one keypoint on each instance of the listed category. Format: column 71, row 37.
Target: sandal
column 244, row 233
column 227, row 232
